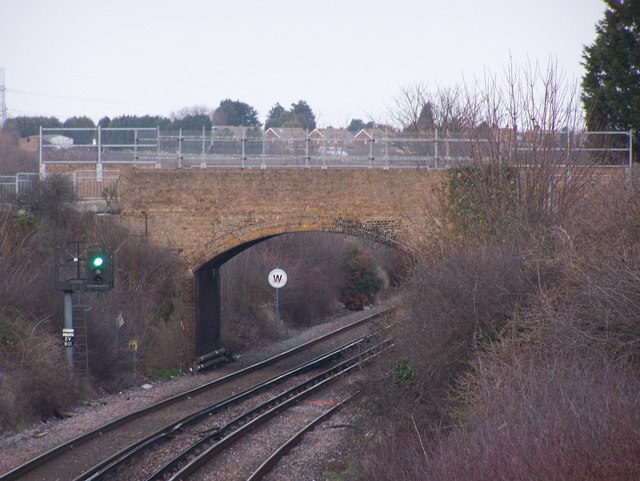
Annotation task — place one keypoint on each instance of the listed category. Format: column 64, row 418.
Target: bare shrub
column 604, row 258
column 311, row 261
column 547, row 419
column 553, row 394
column 29, row 353
column 50, row 199
column 553, row 418
column 143, row 307
column 453, row 308
column 16, row 228
column 146, row 298
column 517, row 352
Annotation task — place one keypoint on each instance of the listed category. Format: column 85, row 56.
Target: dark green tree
column 104, row 122
column 611, row 84
column 275, row 117
column 132, row 121
column 426, row 121
column 234, row 112
column 25, row 126
column 193, row 122
column 356, row 125
column 361, row 279
column 303, row 115
column 141, row 121
column 81, row 137
column 299, row 115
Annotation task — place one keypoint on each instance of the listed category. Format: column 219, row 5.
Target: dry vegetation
column 12, row 158
column 518, row 348
column 318, row 268
column 145, row 304
column 31, row 310
column 521, row 361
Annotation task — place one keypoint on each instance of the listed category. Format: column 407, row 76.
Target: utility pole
column 3, row 99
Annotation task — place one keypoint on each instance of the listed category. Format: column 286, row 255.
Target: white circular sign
column 277, row 278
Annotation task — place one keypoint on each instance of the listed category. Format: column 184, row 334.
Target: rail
column 64, row 453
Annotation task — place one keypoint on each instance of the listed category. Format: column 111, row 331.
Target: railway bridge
column 210, row 215
column 210, row 195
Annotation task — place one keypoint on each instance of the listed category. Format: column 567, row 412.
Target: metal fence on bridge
column 250, row 147
column 92, row 158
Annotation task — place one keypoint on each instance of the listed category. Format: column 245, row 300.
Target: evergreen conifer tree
column 611, row 84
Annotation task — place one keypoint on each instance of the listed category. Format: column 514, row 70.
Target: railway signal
column 80, row 267
column 99, row 271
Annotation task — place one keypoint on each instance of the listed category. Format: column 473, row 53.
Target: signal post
column 80, row 267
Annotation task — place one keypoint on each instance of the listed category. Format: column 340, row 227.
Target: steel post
column 435, row 147
column 630, row 149
column 277, row 311
column 68, row 325
column 99, row 163
column 42, row 169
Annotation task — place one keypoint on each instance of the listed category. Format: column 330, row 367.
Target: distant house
column 331, row 135
column 376, row 133
column 331, row 142
column 285, row 133
column 32, row 143
column 285, row 141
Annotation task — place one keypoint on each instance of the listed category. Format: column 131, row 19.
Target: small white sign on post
column 277, row 278
column 67, row 335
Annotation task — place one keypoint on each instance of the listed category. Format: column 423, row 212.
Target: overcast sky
column 346, row 58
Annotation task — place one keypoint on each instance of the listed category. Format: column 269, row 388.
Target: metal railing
column 13, row 185
column 151, row 148
column 85, row 184
column 91, row 158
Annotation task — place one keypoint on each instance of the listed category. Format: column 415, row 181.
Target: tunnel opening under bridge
column 209, row 301
column 218, row 327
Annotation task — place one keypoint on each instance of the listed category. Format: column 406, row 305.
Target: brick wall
column 202, row 214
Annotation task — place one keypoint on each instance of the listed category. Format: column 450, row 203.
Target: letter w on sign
column 277, row 278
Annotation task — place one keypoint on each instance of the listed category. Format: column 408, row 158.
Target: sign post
column 277, row 278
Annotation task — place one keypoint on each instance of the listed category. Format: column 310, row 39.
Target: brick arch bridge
column 210, row 215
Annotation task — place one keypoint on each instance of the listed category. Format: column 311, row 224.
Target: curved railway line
column 204, row 412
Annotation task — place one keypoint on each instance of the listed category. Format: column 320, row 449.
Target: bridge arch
column 208, row 278
column 210, row 215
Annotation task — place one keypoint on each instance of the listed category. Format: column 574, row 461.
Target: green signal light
column 98, row 273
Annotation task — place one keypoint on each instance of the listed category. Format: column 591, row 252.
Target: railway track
column 290, row 442
column 87, row 456
column 202, row 437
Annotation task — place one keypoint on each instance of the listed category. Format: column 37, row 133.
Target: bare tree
column 418, row 110
column 409, row 104
column 528, row 116
column 191, row 111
